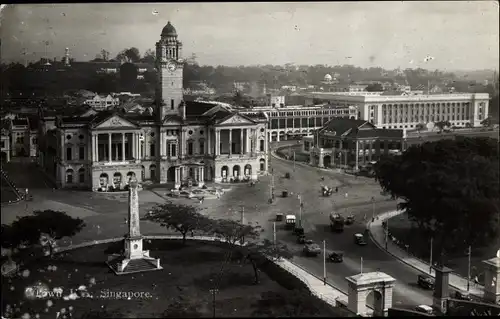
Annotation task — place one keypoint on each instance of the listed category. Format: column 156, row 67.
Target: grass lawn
column 401, row 228
column 188, row 274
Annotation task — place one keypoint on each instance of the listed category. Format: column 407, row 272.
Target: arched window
column 69, row 176
column 81, row 175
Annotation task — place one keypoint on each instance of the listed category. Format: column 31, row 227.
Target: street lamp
column 373, row 209
column 324, row 262
column 213, row 291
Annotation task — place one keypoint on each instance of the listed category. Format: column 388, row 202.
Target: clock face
column 171, row 66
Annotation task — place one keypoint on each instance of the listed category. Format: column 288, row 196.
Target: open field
column 188, row 274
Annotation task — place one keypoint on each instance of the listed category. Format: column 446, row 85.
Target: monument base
column 122, row 265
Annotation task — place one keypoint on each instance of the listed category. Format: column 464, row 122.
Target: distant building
column 352, row 143
column 405, row 111
column 276, row 100
column 5, row 142
column 351, row 87
column 23, row 137
column 102, row 102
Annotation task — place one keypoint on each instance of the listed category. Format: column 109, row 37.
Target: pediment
column 237, row 119
column 115, row 121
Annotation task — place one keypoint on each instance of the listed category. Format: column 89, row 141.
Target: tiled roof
column 374, row 133
column 194, row 108
column 342, row 125
column 20, row 122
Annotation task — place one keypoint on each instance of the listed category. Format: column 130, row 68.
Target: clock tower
column 169, row 91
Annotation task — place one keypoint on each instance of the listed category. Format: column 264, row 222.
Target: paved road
column 306, row 180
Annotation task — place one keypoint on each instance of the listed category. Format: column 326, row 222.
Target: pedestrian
column 346, row 195
column 336, row 189
column 192, row 234
column 476, row 280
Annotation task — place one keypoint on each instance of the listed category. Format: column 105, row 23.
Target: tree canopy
column 179, row 217
column 289, row 303
column 375, row 87
column 449, row 188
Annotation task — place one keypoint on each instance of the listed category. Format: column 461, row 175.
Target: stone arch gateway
column 361, row 285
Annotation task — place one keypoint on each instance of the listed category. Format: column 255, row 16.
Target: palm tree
column 419, row 127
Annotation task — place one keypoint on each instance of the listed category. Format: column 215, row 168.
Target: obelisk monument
column 134, row 259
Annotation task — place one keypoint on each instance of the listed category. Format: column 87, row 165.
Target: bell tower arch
column 169, row 65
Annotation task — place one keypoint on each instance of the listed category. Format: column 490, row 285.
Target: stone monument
column 491, row 277
column 133, row 259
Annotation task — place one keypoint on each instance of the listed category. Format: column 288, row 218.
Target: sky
column 459, row 35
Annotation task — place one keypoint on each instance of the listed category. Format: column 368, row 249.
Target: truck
column 337, row 222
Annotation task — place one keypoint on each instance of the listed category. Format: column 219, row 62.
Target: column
column 320, row 164
column 201, row 177
column 177, row 177
column 217, row 142
column 123, row 147
column 371, row 150
column 134, row 145
column 230, row 142
column 248, row 141
column 109, row 147
column 242, row 144
column 97, row 147
column 93, row 148
column 209, row 143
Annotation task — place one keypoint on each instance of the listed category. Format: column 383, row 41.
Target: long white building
column 406, row 111
column 286, row 122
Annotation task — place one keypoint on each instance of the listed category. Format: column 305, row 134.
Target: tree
column 487, row 122
column 149, row 56
column 420, row 127
column 179, row 217
column 255, row 251
column 375, row 87
column 104, row 55
column 128, row 75
column 286, row 303
column 182, row 308
column 468, row 125
column 449, row 188
column 258, row 254
column 51, row 224
column 441, row 125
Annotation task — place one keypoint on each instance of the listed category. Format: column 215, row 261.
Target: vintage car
column 298, row 231
column 424, row 309
column 279, row 217
column 311, row 249
column 336, row 257
column 425, row 282
column 349, row 220
column 359, row 239
column 301, row 239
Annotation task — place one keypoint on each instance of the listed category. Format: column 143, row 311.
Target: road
column 306, row 181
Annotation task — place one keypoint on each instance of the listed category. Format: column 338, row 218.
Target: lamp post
column 430, row 258
column 213, row 291
column 324, row 262
column 468, row 267
column 386, row 233
column 300, row 210
column 373, row 209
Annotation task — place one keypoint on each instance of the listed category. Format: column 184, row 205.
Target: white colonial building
column 180, row 142
column 405, row 111
column 102, row 102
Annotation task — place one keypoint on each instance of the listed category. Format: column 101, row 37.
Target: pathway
column 377, row 234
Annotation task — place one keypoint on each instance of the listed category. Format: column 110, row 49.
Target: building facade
column 351, row 143
column 407, row 111
column 5, row 144
column 181, row 142
column 287, row 122
column 102, row 102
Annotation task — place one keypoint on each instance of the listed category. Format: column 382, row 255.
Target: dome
column 169, row 31
column 328, row 77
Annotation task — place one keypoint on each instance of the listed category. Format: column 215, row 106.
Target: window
column 261, row 145
column 35, row 141
column 190, row 148
column 202, row 147
column 81, row 153
column 81, row 175
column 3, row 144
column 68, row 154
column 69, row 176
column 152, row 150
column 172, row 104
column 173, row 152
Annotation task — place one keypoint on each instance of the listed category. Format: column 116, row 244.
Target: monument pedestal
column 134, row 259
column 441, row 288
column 491, row 277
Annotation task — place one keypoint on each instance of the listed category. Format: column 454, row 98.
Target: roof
column 378, row 132
column 195, row 108
column 342, row 125
column 169, row 30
